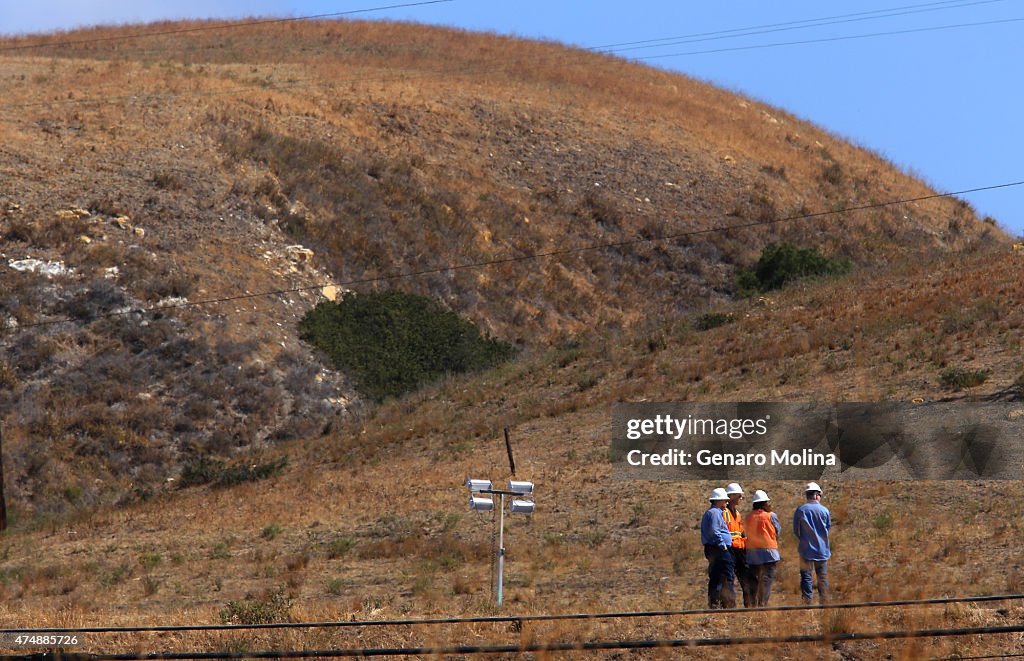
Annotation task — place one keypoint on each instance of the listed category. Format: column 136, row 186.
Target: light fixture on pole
column 479, row 502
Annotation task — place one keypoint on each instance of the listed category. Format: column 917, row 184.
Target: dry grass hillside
column 369, row 522
column 182, row 168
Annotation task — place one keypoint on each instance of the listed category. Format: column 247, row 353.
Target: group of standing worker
column 747, row 548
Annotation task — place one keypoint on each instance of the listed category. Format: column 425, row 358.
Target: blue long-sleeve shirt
column 713, row 529
column 811, row 523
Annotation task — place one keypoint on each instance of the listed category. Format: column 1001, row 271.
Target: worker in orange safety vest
column 762, row 543
column 734, row 521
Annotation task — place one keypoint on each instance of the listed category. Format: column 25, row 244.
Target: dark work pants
column 762, row 578
column 744, row 576
column 721, row 575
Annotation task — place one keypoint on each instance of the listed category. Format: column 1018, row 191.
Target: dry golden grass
column 417, row 553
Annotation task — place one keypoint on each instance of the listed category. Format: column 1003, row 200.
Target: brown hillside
column 390, row 148
column 368, row 523
column 195, row 159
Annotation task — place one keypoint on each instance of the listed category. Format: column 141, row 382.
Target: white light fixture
column 522, row 507
column 477, row 486
column 481, row 504
column 520, row 488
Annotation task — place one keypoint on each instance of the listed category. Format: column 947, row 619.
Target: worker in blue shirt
column 811, row 524
column 717, row 540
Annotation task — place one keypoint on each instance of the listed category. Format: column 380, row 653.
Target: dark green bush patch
column 392, row 342
column 781, row 263
column 207, row 470
column 713, row 320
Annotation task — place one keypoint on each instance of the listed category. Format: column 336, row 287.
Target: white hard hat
column 718, row 494
column 760, row 497
column 734, row 488
column 812, row 486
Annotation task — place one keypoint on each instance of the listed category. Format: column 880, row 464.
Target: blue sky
column 943, row 102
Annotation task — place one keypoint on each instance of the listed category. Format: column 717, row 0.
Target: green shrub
column 116, row 575
column 781, row 263
column 392, row 342
column 958, row 378
column 339, row 546
column 201, row 471
column 149, row 561
column 883, row 522
column 274, row 607
column 206, row 470
column 713, row 320
column 151, row 585
column 73, row 494
column 220, row 551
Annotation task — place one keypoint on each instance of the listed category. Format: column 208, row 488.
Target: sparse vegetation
column 340, row 546
column 958, row 378
column 883, row 522
column 274, row 606
column 151, row 585
column 149, row 561
column 116, row 575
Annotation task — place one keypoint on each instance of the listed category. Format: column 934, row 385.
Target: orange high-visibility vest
column 735, row 525
column 760, row 531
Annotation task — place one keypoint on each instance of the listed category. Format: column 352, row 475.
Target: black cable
column 227, row 26
column 957, row 657
column 520, row 618
column 824, row 40
column 735, row 34
column 956, row 4
column 522, row 258
column 590, row 646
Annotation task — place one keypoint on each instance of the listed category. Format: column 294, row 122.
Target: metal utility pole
column 479, row 490
column 501, row 552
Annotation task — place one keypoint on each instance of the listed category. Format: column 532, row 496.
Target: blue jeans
column 721, row 575
column 819, row 567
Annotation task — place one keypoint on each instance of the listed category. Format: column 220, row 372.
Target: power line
column 782, row 27
column 229, row 26
column 956, row 4
column 973, row 658
column 520, row 618
column 833, row 39
column 587, row 646
column 526, row 257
